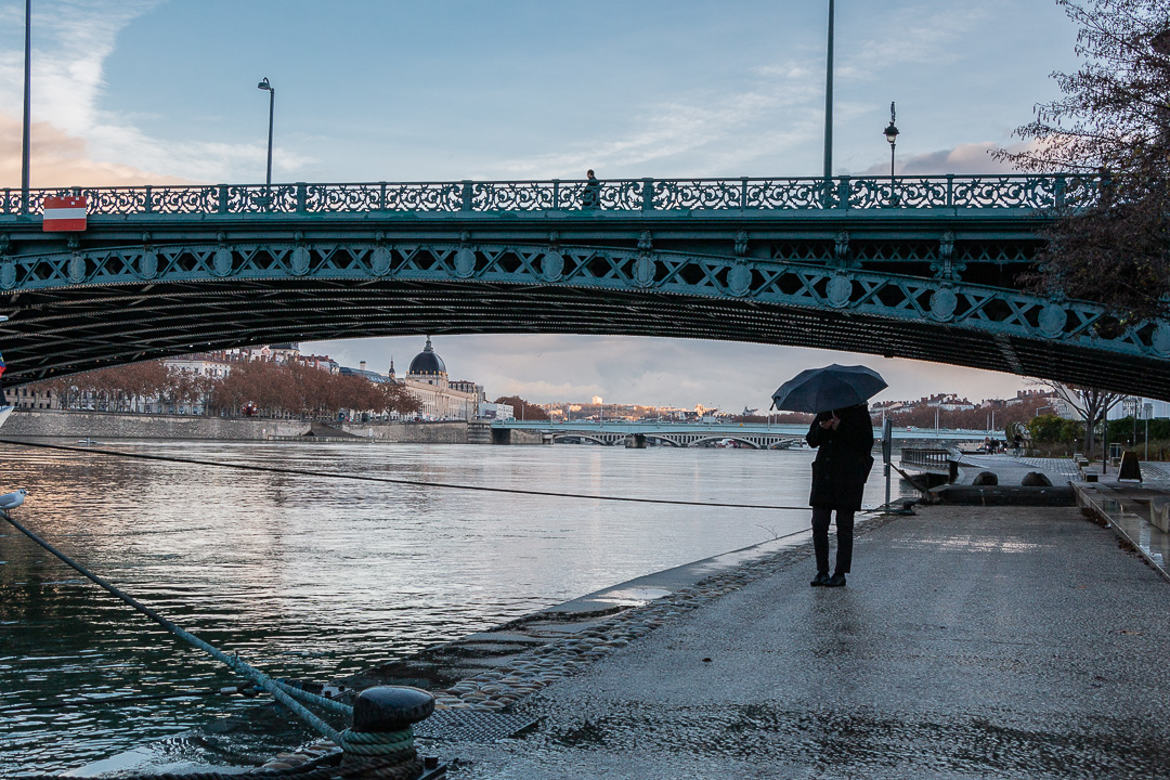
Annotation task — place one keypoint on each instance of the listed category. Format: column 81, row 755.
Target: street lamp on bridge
column 271, row 90
column 891, row 133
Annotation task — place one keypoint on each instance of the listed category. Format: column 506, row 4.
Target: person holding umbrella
column 842, row 432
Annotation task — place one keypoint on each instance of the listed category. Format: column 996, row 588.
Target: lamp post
column 1147, row 413
column 271, row 90
column 829, row 100
column 24, row 138
column 891, row 134
column 1135, row 403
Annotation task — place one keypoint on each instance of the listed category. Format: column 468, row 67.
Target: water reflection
column 310, row 577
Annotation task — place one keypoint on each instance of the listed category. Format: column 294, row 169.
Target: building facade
column 441, row 398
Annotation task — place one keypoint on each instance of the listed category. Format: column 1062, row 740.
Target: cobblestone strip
column 1065, row 467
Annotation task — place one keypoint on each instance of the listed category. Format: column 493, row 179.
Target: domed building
column 426, row 379
column 428, row 367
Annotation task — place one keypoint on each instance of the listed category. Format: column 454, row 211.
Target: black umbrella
column 831, row 387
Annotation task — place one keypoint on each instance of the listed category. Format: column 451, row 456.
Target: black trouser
column 820, row 529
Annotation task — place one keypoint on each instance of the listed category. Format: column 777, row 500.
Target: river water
column 314, row 578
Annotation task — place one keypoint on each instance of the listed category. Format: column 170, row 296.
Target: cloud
column 57, row 159
column 915, row 35
column 707, row 127
column 74, row 38
column 776, row 111
column 967, row 159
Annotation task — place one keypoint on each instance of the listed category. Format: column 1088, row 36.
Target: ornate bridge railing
column 1052, row 191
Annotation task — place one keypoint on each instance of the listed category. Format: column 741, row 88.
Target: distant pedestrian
column 591, row 194
column 1017, row 444
column 843, row 438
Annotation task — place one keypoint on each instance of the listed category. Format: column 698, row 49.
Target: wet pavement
column 1126, row 508
column 1011, row 470
column 970, row 642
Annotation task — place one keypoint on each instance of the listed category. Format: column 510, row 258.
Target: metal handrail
column 1008, row 191
column 926, row 457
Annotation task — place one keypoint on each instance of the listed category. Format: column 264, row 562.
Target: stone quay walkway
column 970, row 642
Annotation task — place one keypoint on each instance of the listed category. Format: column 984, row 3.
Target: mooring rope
column 240, row 667
column 386, row 753
column 393, row 480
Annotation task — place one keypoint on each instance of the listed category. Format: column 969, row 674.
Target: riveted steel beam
column 79, row 310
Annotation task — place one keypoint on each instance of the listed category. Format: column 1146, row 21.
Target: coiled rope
column 391, row 480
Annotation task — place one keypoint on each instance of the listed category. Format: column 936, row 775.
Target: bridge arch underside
column 73, row 312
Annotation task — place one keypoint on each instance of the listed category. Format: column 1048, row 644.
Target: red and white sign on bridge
column 64, row 213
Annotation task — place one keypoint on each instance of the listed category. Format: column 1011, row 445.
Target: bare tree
column 1092, row 404
column 1113, row 118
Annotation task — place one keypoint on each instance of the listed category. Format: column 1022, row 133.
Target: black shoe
column 836, row 581
column 822, row 578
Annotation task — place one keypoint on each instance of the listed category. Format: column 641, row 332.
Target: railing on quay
column 1036, row 192
column 931, row 459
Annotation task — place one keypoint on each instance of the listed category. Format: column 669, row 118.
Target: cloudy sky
column 140, row 91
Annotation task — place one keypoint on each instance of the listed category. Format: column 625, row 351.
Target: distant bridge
column 916, row 267
column 751, row 435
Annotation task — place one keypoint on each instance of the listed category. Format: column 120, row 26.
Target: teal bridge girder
column 919, row 267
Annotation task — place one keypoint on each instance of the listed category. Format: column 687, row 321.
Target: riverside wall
column 444, row 432
column 112, row 425
column 439, row 432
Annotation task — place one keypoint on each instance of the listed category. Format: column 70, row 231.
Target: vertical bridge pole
column 829, row 99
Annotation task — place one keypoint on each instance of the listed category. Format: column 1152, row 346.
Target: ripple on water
column 315, row 578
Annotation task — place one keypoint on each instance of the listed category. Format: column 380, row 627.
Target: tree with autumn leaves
column 274, row 390
column 297, row 389
column 1113, row 121
column 521, row 409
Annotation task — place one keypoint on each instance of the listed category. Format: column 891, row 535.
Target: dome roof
column 427, row 362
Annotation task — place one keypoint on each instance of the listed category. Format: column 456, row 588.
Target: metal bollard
column 381, row 732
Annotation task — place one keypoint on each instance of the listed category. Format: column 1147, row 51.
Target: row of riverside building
column 440, row 397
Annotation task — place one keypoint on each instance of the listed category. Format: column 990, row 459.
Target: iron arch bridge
column 692, row 434
column 916, row 267
column 756, row 440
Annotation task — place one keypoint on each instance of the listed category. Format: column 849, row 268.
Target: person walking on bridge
column 591, row 193
column 843, row 438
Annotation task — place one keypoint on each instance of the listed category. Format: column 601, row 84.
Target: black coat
column 843, row 461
